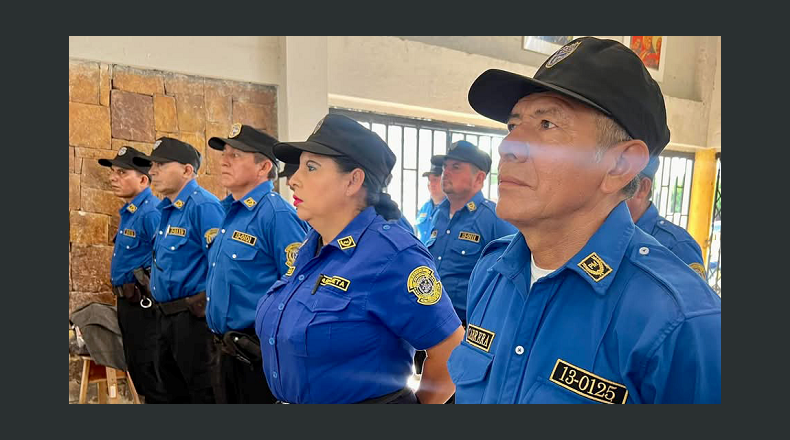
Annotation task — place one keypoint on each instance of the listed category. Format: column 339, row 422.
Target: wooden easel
column 107, row 380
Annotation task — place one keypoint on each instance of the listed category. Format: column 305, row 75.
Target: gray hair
column 610, row 133
column 260, row 157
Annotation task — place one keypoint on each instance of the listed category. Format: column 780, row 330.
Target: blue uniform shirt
column 456, row 243
column 135, row 237
column 623, row 321
column 423, row 224
column 343, row 327
column 673, row 237
column 181, row 245
column 256, row 244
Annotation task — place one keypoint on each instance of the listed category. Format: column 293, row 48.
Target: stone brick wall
column 112, row 105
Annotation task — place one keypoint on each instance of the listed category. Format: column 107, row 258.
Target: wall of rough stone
column 113, row 105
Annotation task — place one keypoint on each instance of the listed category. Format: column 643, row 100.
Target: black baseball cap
column 171, row 150
column 338, row 135
column 289, row 169
column 603, row 74
column 123, row 159
column 651, row 168
column 465, row 151
column 436, row 167
column 245, row 138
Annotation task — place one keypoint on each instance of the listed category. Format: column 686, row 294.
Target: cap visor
column 289, row 152
column 113, row 162
column 495, row 92
column 219, row 144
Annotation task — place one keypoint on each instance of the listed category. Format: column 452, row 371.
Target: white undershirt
column 536, row 272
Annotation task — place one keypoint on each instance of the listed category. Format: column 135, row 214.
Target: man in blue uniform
column 255, row 245
column 132, row 252
column 645, row 215
column 423, row 224
column 465, row 222
column 581, row 306
column 178, row 272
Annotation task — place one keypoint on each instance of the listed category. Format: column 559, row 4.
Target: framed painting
column 652, row 51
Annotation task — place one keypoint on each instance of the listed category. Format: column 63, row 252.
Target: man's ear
column 627, row 159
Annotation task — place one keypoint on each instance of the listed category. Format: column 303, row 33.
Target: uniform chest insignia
column 479, row 337
column 346, row 242
column 179, row 204
column 291, row 252
column 129, row 233
column 696, row 267
column 424, row 285
column 471, row 206
column 469, row 236
column 561, row 54
column 172, row 230
column 131, row 208
column 210, row 234
column 235, row 129
column 595, row 267
column 250, row 202
column 587, row 384
column 433, row 233
column 423, row 214
column 335, row 281
column 244, row 238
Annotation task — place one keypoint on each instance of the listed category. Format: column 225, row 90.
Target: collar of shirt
column 136, row 202
column 609, row 242
column 648, row 219
column 251, row 199
column 342, row 242
column 182, row 197
column 476, row 201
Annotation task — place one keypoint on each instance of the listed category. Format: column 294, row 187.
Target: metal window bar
column 714, row 240
column 431, row 136
column 672, row 186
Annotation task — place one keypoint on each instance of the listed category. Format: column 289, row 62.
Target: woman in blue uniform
column 343, row 325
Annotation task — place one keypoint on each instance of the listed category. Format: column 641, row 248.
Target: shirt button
column 448, row 232
column 386, row 227
column 519, row 350
column 172, row 248
column 154, row 287
column 223, row 231
column 644, row 251
column 274, row 374
column 113, row 254
column 234, row 255
column 160, row 232
column 208, row 299
column 213, row 264
column 301, row 277
column 463, row 252
column 127, row 247
column 281, row 306
column 661, row 222
column 271, row 341
column 439, row 258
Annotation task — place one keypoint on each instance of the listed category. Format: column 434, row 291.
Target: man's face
column 435, row 185
column 168, row 177
column 238, row 168
column 457, row 177
column 548, row 167
column 126, row 183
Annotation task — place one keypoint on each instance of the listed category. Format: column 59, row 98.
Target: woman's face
column 319, row 187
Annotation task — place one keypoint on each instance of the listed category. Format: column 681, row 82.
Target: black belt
column 132, row 293
column 196, row 304
column 244, row 345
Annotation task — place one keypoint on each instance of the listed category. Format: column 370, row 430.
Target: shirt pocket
column 467, row 250
column 321, row 324
column 545, row 391
column 127, row 243
column 469, row 368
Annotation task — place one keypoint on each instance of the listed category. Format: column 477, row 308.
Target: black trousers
column 237, row 381
column 138, row 332
column 184, row 352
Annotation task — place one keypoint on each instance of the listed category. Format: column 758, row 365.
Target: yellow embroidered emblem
column 336, row 282
column 172, row 230
column 469, row 236
column 244, row 238
column 696, row 267
column 129, row 233
column 210, row 234
column 595, row 267
column 291, row 252
column 346, row 242
column 250, row 202
column 587, row 384
column 424, row 285
column 179, row 204
column 131, row 208
column 235, row 129
column 479, row 337
column 561, row 54
column 471, row 206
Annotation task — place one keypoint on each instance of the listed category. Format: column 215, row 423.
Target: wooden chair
column 107, row 380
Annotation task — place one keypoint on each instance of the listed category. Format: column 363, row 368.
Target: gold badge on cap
column 156, row 144
column 696, row 267
column 471, row 206
column 122, row 151
column 561, row 54
column 210, row 234
column 179, row 204
column 250, row 202
column 235, row 130
column 318, row 126
column 346, row 242
column 131, row 208
column 424, row 285
column 595, row 267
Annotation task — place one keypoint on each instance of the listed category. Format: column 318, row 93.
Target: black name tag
column 335, row 281
column 181, row 232
column 244, row 238
column 469, row 236
column 587, row 384
column 479, row 337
